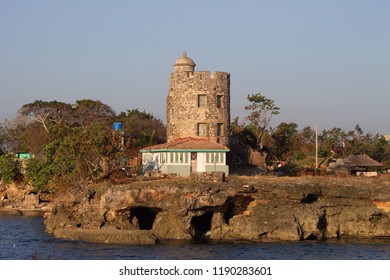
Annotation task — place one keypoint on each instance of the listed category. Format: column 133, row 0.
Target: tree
column 239, row 132
column 39, row 174
column 307, row 135
column 49, row 114
column 340, row 143
column 286, row 140
column 333, row 142
column 9, row 169
column 87, row 112
column 262, row 109
column 141, row 129
column 2, row 140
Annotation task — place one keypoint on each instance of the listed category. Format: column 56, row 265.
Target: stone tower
column 198, row 103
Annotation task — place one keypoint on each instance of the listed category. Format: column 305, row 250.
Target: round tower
column 198, row 103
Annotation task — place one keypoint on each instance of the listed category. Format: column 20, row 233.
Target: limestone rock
column 262, row 209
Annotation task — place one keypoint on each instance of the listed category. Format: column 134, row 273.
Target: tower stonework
column 198, row 103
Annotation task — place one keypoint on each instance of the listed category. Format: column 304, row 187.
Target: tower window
column 219, row 129
column 219, row 101
column 201, row 100
column 202, row 129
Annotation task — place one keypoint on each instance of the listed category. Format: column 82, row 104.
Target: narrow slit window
column 202, row 100
column 219, row 101
column 220, row 129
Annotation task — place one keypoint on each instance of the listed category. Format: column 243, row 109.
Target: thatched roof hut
column 361, row 163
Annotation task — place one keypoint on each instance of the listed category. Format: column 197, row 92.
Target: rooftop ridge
column 191, row 138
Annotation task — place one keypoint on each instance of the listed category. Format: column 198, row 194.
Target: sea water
column 24, row 238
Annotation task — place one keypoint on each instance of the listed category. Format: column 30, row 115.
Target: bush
column 38, row 174
column 299, row 155
column 9, row 169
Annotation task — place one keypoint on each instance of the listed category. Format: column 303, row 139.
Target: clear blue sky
column 323, row 62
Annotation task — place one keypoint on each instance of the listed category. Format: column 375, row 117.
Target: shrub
column 38, row 174
column 9, row 169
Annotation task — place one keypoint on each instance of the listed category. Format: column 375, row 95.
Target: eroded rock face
column 263, row 209
column 14, row 195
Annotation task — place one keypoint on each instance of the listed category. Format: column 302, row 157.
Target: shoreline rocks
column 18, row 200
column 258, row 209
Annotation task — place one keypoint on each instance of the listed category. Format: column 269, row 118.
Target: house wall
column 180, row 162
column 218, row 168
column 182, row 170
column 201, row 162
column 150, row 161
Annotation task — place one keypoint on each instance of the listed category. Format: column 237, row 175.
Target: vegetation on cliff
column 76, row 142
column 72, row 142
column 287, row 143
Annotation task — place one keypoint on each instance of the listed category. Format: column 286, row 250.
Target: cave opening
column 235, row 206
column 312, row 237
column 310, row 198
column 201, row 225
column 322, row 224
column 145, row 216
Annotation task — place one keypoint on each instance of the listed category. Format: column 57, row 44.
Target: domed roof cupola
column 184, row 64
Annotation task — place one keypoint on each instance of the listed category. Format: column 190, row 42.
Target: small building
column 360, row 165
column 23, row 155
column 363, row 165
column 186, row 156
column 198, row 120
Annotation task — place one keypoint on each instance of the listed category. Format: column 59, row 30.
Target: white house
column 185, row 156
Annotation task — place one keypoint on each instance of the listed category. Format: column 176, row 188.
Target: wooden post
column 316, row 147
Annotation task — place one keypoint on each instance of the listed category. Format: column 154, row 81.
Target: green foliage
column 75, row 142
column 2, row 140
column 339, row 143
column 145, row 139
column 137, row 114
column 9, row 169
column 39, row 174
column 88, row 112
column 239, row 132
column 261, row 111
column 98, row 136
column 287, row 143
column 141, row 129
column 300, row 155
column 286, row 140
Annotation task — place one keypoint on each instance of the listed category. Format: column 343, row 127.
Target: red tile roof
column 188, row 143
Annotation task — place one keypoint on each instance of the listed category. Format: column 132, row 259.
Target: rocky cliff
column 20, row 199
column 243, row 208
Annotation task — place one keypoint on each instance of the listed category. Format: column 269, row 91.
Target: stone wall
column 205, row 177
column 183, row 112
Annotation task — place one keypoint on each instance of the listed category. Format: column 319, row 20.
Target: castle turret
column 184, row 64
column 198, row 103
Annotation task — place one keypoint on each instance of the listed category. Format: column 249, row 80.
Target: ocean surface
column 24, row 238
